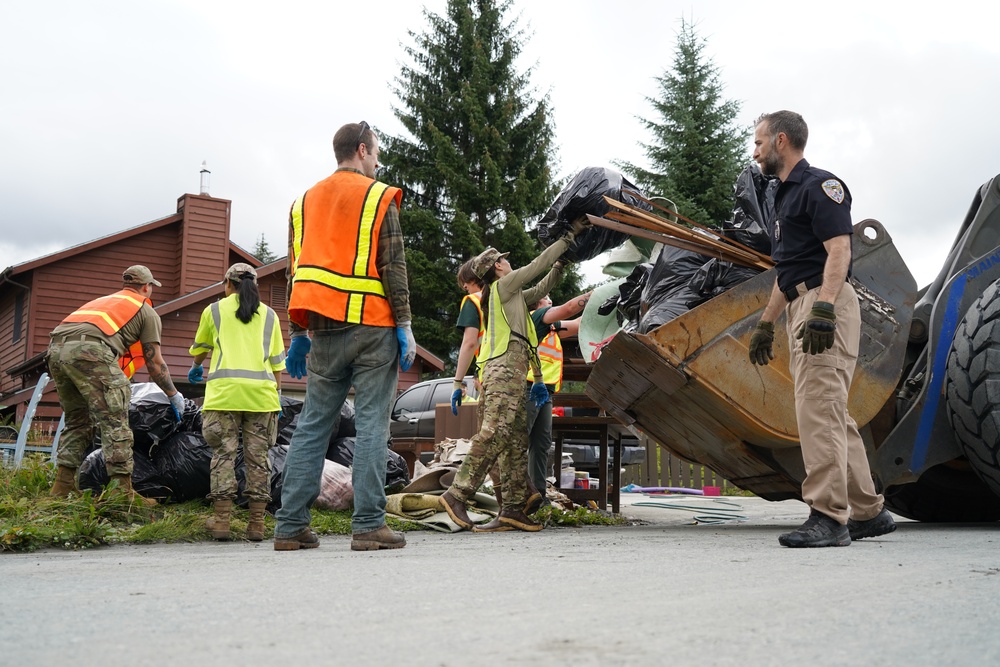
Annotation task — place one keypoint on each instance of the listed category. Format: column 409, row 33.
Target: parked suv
column 413, row 417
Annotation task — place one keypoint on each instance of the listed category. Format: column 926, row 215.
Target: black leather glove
column 762, row 344
column 818, row 332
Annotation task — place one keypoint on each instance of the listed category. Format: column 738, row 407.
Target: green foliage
column 581, row 516
column 696, row 151
column 475, row 160
column 262, row 250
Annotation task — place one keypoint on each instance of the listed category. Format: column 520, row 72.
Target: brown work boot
column 65, row 483
column 493, row 526
column 218, row 523
column 255, row 527
column 125, row 486
column 380, row 538
column 519, row 520
column 304, row 539
column 456, row 510
column 533, row 503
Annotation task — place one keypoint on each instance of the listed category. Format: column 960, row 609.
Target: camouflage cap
column 239, row 271
column 485, row 260
column 139, row 275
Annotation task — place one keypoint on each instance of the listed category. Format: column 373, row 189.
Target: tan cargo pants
column 838, row 479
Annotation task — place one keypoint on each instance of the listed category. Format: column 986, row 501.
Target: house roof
column 44, row 260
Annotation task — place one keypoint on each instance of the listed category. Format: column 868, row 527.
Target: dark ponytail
column 248, row 296
column 484, row 302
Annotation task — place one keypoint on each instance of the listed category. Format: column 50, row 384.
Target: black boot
column 819, row 530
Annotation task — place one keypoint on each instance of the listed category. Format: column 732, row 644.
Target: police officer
column 811, row 245
column 92, row 355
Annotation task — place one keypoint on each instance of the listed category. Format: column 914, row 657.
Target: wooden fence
column 661, row 468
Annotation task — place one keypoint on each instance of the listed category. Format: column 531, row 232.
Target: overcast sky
column 109, row 108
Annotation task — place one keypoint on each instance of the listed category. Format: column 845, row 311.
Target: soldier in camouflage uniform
column 92, row 355
column 508, row 349
column 241, row 395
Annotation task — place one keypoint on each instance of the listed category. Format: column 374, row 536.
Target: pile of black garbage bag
column 582, row 195
column 680, row 280
column 172, row 461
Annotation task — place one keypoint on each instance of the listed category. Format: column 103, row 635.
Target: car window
column 442, row 393
column 412, row 400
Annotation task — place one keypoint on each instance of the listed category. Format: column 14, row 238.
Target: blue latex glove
column 295, row 362
column 539, row 394
column 456, row 399
column 196, row 374
column 177, row 405
column 407, row 346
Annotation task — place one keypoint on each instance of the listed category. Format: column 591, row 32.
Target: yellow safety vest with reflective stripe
column 245, row 357
column 498, row 332
column 335, row 231
column 550, row 353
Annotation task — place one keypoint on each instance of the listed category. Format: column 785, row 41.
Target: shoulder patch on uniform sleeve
column 834, row 190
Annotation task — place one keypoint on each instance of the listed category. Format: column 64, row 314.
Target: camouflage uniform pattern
column 221, row 429
column 94, row 394
column 503, row 436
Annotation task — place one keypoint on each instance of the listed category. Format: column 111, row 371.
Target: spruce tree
column 262, row 250
column 697, row 150
column 474, row 161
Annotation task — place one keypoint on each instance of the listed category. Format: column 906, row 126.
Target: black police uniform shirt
column 812, row 206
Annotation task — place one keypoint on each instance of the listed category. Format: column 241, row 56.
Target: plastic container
column 566, row 478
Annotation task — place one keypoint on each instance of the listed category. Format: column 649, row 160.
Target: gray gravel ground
column 665, row 591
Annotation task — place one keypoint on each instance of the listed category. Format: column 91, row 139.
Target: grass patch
column 30, row 519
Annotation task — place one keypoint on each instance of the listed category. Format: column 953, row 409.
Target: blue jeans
column 365, row 357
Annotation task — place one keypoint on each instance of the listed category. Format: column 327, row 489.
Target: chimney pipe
column 205, row 173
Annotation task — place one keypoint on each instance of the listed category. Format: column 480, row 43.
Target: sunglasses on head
column 361, row 135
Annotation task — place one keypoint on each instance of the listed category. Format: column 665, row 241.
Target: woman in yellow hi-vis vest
column 507, row 349
column 248, row 355
column 551, row 323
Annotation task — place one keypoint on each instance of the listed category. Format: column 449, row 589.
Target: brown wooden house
column 187, row 251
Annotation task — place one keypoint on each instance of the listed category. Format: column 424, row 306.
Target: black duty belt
column 795, row 292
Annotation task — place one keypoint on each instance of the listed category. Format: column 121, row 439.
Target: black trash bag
column 276, row 455
column 717, row 276
column 183, row 462
column 145, row 479
column 152, row 421
column 290, row 409
column 397, row 474
column 191, row 417
column 341, row 450
column 668, row 293
column 753, row 212
column 346, row 428
column 582, row 195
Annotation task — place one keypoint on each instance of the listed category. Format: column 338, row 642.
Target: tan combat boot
column 65, row 482
column 125, row 486
column 218, row 523
column 255, row 527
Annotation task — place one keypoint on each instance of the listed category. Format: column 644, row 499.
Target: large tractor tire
column 973, row 386
column 947, row 493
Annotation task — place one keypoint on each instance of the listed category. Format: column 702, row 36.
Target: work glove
column 407, row 346
column 196, row 374
column 762, row 343
column 818, row 331
column 177, row 405
column 295, row 362
column 561, row 264
column 580, row 224
column 539, row 394
column 456, row 397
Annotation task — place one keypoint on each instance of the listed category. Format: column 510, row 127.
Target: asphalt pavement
column 665, row 590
